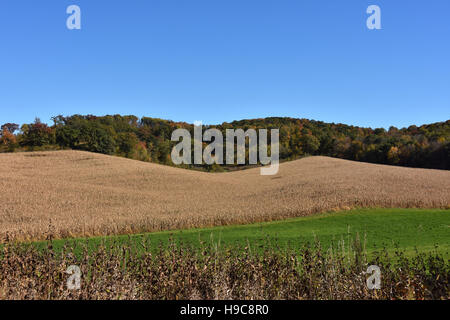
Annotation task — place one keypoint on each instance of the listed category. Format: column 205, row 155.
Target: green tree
column 310, row 144
column 127, row 143
column 99, row 139
column 37, row 134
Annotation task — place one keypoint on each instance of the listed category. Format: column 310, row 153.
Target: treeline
column 149, row 139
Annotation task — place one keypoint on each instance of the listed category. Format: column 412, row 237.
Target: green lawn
column 406, row 229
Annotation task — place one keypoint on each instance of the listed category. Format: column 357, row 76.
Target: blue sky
column 224, row 60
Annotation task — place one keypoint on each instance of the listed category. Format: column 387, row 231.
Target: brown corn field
column 81, row 194
column 130, row 271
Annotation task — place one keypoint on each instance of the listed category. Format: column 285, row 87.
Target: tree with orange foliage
column 8, row 141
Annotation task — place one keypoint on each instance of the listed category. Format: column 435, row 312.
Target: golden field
column 73, row 194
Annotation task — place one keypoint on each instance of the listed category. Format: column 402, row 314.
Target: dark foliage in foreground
column 130, row 271
column 149, row 139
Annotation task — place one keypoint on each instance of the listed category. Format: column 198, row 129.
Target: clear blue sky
column 224, row 60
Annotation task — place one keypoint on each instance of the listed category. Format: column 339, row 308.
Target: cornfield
column 80, row 194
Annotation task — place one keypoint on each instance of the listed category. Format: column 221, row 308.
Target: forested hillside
column 148, row 139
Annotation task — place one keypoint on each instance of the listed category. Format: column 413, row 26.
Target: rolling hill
column 72, row 193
